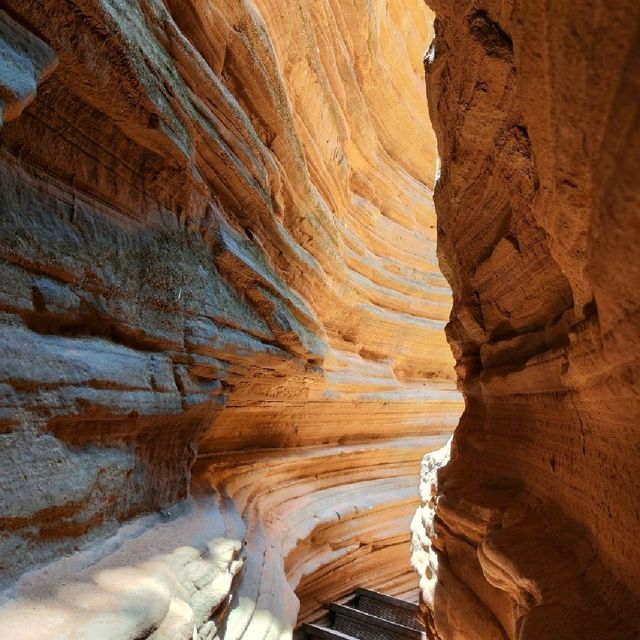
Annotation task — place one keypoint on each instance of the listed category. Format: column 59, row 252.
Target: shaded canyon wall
column 530, row 530
column 217, row 246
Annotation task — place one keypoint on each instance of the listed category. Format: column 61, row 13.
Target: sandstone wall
column 530, row 531
column 217, row 242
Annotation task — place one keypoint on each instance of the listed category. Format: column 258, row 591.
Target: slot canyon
column 301, row 297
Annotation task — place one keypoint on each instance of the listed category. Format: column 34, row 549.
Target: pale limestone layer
column 530, row 531
column 217, row 239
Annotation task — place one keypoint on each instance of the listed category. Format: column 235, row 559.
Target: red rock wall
column 531, row 531
column 217, row 241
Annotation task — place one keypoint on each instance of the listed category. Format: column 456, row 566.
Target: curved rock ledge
column 269, row 532
column 529, row 532
column 217, row 244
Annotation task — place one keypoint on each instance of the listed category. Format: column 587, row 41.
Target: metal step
column 365, row 626
column 316, row 631
column 388, row 607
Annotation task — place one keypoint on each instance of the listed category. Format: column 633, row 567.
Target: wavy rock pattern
column 529, row 531
column 217, row 241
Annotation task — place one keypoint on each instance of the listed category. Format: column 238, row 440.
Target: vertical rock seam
column 530, row 531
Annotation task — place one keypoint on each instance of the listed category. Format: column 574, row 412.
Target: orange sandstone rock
column 529, row 531
column 217, row 244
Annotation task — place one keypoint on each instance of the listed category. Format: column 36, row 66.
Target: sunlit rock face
column 217, row 245
column 530, row 531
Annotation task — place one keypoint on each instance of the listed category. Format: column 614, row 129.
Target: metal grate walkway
column 368, row 615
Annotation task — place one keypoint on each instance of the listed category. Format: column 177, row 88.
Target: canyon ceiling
column 222, row 315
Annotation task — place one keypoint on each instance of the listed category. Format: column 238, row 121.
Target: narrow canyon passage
column 232, row 324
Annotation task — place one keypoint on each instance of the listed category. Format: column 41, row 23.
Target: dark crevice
column 495, row 41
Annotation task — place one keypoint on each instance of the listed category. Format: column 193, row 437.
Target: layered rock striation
column 217, row 245
column 529, row 531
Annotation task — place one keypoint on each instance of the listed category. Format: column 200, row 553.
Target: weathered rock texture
column 530, row 531
column 217, row 240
